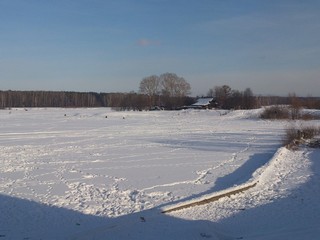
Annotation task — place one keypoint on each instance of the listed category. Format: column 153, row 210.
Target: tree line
column 167, row 91
column 227, row 98
column 10, row 99
column 117, row 101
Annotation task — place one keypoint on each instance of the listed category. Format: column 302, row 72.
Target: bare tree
column 168, row 84
column 295, row 105
column 174, row 90
column 222, row 94
column 174, row 86
column 182, row 88
column 151, row 87
column 235, row 101
column 211, row 93
column 248, row 99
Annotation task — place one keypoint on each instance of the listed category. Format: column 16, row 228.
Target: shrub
column 286, row 112
column 275, row 112
column 307, row 117
column 291, row 135
column 309, row 132
column 295, row 136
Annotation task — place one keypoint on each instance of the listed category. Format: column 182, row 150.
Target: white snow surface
column 101, row 174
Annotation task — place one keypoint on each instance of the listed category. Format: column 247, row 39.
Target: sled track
column 209, row 199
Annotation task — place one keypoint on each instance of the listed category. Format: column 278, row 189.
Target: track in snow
column 76, row 158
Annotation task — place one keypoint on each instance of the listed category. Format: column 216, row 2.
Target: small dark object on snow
column 204, row 235
column 142, row 219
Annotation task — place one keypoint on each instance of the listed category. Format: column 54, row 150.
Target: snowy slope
column 283, row 205
column 97, row 174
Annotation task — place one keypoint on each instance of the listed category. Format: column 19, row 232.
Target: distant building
column 203, row 103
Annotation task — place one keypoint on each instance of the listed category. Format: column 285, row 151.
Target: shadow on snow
column 24, row 219
column 297, row 216
column 240, row 176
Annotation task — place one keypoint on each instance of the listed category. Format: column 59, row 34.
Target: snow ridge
column 260, row 174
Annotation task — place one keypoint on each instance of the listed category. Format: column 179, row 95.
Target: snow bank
column 283, row 204
column 261, row 175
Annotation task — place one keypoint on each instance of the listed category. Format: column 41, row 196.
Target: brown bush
column 295, row 136
column 307, row 117
column 309, row 132
column 275, row 112
column 286, row 112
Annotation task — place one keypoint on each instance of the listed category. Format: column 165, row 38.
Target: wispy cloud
column 143, row 42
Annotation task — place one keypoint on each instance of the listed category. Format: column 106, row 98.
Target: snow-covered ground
column 101, row 174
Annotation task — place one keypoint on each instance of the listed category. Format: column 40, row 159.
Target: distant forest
column 139, row 101
column 120, row 101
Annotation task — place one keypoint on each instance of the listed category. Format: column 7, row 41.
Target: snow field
column 77, row 158
column 90, row 176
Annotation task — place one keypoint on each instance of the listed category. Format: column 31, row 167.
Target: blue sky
column 271, row 46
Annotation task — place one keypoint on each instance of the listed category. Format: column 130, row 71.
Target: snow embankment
column 260, row 174
column 283, row 205
column 263, row 175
